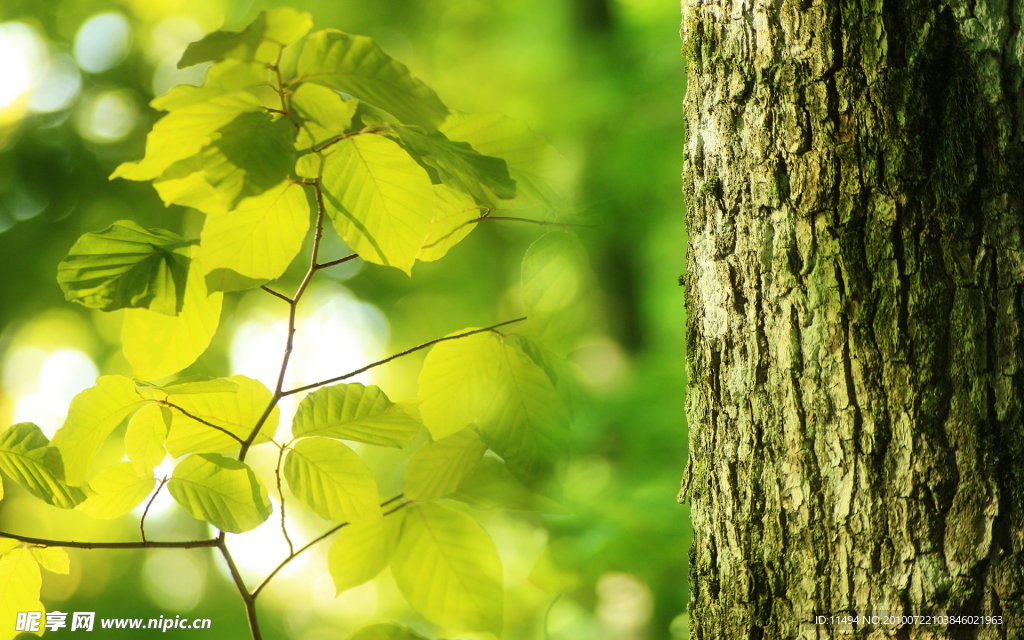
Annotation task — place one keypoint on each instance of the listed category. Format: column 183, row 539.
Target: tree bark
column 855, row 290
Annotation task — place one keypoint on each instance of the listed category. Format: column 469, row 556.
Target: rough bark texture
column 855, row 290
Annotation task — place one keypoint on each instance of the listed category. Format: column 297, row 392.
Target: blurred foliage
column 601, row 79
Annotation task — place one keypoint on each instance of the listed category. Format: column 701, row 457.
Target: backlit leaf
column 92, row 417
column 448, row 568
column 322, row 113
column 379, row 199
column 362, row 550
column 555, row 289
column 459, row 165
column 492, row 486
column 116, row 491
column 385, row 631
column 358, row 67
column 20, row 581
column 53, row 559
column 144, row 438
column 355, row 412
column 332, row 480
column 220, row 490
column 454, row 216
column 236, row 411
column 487, row 380
column 437, row 469
column 158, row 345
column 262, row 40
column 27, row 458
column 125, row 265
column 255, row 242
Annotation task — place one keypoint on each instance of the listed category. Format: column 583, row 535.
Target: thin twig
column 336, row 139
column 236, row 576
column 148, row 544
column 145, row 512
column 487, row 216
column 324, row 265
column 323, row 536
column 276, row 294
column 292, row 308
column 187, row 414
column 396, row 356
column 280, row 497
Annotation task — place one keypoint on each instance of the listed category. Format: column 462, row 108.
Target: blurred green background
column 601, row 79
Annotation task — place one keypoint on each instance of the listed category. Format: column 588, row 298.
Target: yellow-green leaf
column 116, row 491
column 385, row 631
column 92, row 417
column 255, row 242
column 454, row 216
column 158, row 345
column 358, row 67
column 362, row 550
column 125, row 265
column 556, row 287
column 262, row 40
column 379, row 199
column 144, row 438
column 20, row 581
column 27, row 458
column 437, row 469
column 53, row 559
column 322, row 113
column 355, row 412
column 234, row 410
column 220, row 490
column 448, row 568
column 332, row 480
column 6, row 544
column 486, row 379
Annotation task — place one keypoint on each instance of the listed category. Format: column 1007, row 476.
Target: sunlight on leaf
column 332, row 480
column 220, row 490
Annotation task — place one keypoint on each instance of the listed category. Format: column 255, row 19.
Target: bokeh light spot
column 102, row 42
column 107, row 117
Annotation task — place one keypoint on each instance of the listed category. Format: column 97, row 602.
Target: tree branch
column 148, row 544
column 276, row 294
column 396, row 356
column 280, row 497
column 324, row 265
column 250, row 602
column 145, row 512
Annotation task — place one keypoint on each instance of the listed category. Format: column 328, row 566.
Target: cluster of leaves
column 291, row 130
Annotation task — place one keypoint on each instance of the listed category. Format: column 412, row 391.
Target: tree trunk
column 855, row 272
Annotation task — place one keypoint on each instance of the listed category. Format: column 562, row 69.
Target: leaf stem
column 324, row 265
column 187, row 414
column 276, row 294
column 398, row 355
column 145, row 512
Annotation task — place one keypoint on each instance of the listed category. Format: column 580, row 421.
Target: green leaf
column 532, row 162
column 20, row 581
column 379, row 199
column 459, row 165
column 448, row 568
column 92, row 417
column 262, row 40
column 555, row 288
column 144, row 438
column 487, row 380
column 27, row 458
column 454, row 216
column 116, row 491
column 437, row 469
column 332, row 481
column 362, row 550
column 386, row 631
column 255, row 242
column 220, row 490
column 236, row 411
column 53, row 559
column 190, row 128
column 355, row 412
column 125, row 265
column 358, row 67
column 6, row 544
column 492, row 486
column 322, row 112
column 158, row 345
column 186, row 386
